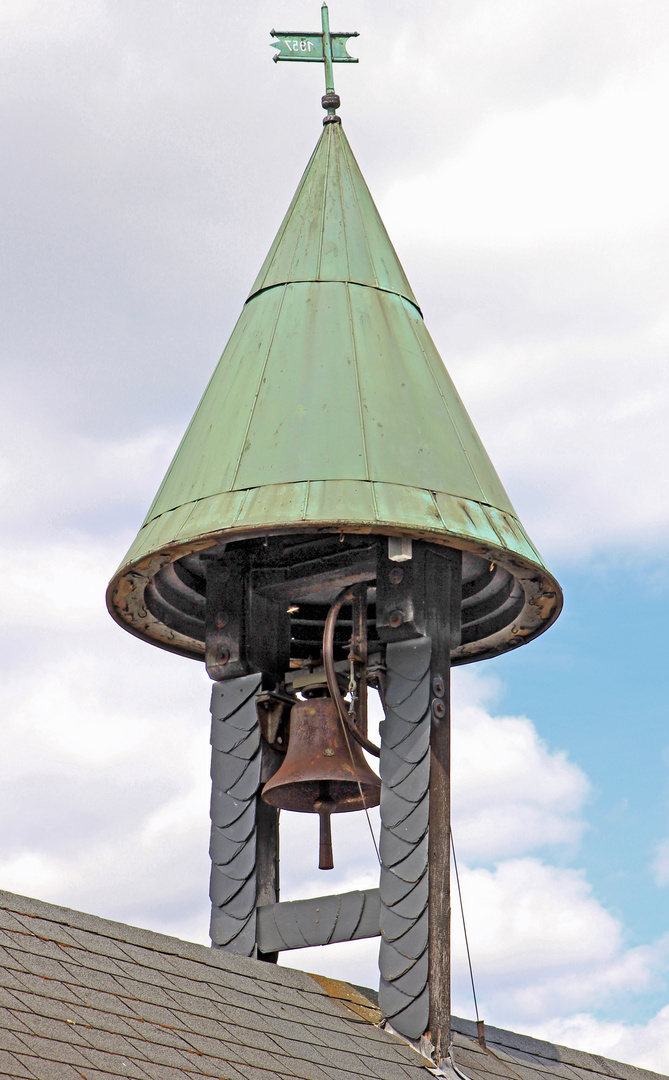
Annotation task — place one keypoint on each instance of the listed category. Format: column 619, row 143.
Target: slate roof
column 83, row 997
column 519, row 1057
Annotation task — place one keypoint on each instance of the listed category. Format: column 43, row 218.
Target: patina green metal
column 331, row 409
column 307, row 48
column 326, row 48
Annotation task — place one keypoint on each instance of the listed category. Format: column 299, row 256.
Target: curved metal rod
column 331, row 675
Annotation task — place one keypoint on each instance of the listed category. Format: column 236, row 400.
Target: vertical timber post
column 267, row 843
column 443, row 596
column 247, row 650
column 418, row 614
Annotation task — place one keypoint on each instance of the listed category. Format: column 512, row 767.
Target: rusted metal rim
column 507, row 600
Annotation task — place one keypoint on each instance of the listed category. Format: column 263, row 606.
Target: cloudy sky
column 518, row 153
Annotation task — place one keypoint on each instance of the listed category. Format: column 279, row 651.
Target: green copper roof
column 330, row 373
column 330, row 406
column 332, row 231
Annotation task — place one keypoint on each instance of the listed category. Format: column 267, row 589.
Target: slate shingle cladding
column 82, row 997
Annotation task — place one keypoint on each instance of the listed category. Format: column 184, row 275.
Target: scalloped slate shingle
column 82, row 998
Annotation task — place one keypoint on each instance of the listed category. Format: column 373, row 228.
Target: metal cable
column 464, row 927
column 331, row 675
column 362, row 795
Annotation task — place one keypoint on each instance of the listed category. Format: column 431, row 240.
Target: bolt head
column 439, row 708
column 438, row 687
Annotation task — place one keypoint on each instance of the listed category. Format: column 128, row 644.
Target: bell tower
column 332, row 522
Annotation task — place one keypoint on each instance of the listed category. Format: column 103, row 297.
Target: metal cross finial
column 326, row 48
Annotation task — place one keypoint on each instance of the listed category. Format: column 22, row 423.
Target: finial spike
column 327, row 51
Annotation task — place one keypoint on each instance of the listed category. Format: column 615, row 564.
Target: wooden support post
column 418, row 614
column 442, row 617
column 247, row 649
column 267, row 843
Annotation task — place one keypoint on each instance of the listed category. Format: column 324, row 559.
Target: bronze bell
column 324, row 771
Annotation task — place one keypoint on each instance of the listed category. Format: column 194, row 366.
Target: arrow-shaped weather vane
column 324, row 48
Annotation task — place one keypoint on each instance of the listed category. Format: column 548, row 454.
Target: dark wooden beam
column 267, row 848
column 442, row 606
column 418, row 614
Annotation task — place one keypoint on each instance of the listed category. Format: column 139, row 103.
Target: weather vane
column 325, row 48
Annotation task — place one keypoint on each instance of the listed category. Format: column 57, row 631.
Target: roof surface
column 332, row 409
column 82, row 997
column 330, row 375
column 331, row 403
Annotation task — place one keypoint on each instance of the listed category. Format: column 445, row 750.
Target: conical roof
column 330, row 408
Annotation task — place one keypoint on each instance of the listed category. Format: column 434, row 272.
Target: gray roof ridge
column 505, row 1039
column 508, row 1047
column 28, row 907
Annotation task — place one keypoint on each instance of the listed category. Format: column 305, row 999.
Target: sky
column 517, row 151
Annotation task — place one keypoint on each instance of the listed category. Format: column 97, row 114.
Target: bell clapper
column 324, row 807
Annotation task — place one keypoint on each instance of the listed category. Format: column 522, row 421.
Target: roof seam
column 503, row 1062
column 307, row 494
column 347, row 479
column 311, row 184
column 333, row 281
column 306, row 177
column 341, row 196
column 360, row 218
column 359, row 396
column 324, row 200
column 257, row 394
column 448, row 411
column 433, row 497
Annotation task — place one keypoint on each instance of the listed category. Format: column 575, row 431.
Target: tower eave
column 331, row 411
column 488, row 535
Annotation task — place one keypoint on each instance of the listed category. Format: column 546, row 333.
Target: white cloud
column 55, row 587
column 105, row 758
column 578, row 455
column 62, row 480
column 542, row 944
column 511, row 794
column 565, row 172
column 661, row 863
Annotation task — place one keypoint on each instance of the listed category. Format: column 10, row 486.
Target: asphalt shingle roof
column 83, row 997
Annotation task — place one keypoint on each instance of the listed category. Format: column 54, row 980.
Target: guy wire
column 464, row 927
column 362, row 795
